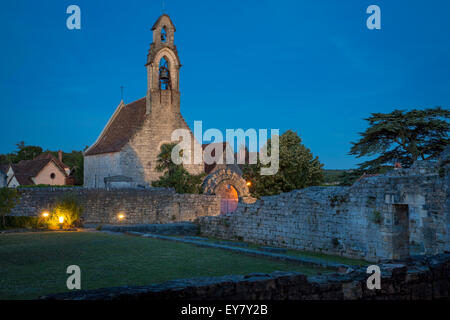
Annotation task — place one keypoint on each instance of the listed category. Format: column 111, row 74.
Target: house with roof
column 45, row 169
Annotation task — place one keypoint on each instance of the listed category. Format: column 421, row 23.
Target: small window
column 52, row 176
column 163, row 35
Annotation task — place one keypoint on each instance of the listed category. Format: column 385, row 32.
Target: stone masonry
column 392, row 216
column 146, row 206
column 425, row 278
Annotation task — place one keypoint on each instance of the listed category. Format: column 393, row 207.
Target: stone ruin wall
column 421, row 279
column 156, row 205
column 360, row 221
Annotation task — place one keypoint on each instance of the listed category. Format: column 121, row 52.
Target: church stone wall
column 140, row 206
column 98, row 167
column 139, row 157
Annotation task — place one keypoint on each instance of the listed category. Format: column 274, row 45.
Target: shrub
column 68, row 209
column 9, row 198
column 176, row 176
column 22, row 222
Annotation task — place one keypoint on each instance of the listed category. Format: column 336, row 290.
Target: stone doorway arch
column 230, row 186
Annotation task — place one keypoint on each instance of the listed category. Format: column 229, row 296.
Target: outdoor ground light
column 61, row 221
column 121, row 216
column 249, row 183
column 45, row 214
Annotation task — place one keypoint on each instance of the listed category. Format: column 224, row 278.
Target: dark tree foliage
column 298, row 168
column 26, row 152
column 9, row 198
column 6, row 158
column 402, row 136
column 23, row 152
column 176, row 176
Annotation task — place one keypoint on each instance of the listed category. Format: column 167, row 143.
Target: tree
column 402, row 136
column 7, row 158
column 26, row 152
column 9, row 198
column 175, row 176
column 297, row 168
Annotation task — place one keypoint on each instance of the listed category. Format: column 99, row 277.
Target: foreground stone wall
column 425, row 278
column 157, row 205
column 384, row 217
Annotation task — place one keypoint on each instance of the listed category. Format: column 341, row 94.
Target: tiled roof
column 24, row 180
column 119, row 131
column 29, row 167
column 48, row 155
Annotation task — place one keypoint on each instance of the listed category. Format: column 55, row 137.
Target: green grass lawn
column 34, row 264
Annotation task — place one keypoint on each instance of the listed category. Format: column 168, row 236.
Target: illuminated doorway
column 229, row 197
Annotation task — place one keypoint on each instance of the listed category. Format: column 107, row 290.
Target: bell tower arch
column 163, row 69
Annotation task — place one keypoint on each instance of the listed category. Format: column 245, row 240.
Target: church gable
column 120, row 129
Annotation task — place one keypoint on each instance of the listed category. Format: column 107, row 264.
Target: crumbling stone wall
column 402, row 213
column 157, row 205
column 425, row 278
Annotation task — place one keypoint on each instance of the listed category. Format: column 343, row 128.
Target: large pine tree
column 402, row 136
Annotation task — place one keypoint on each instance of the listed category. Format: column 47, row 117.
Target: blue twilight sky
column 310, row 66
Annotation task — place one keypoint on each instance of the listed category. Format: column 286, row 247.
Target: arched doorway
column 230, row 186
column 229, row 197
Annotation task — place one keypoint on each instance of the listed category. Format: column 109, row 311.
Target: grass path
column 34, row 264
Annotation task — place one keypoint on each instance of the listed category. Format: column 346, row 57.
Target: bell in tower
column 163, row 69
column 164, row 75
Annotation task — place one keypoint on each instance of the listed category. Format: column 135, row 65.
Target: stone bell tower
column 163, row 69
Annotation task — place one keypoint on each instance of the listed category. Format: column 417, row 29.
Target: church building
column 125, row 153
